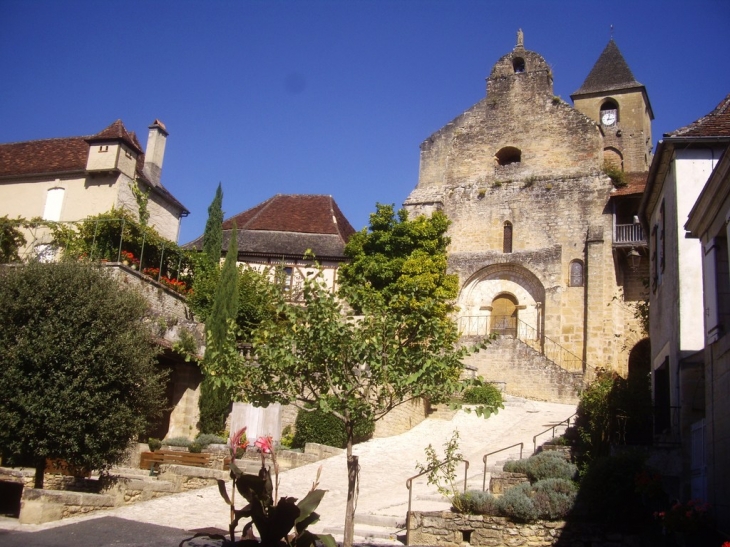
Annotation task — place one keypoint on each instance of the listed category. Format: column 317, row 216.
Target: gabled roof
column 610, row 73
column 287, row 225
column 714, row 124
column 69, row 155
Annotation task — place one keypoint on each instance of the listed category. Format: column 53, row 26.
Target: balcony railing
column 629, row 234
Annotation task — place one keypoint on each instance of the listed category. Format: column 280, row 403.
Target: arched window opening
column 509, row 155
column 609, row 112
column 612, row 156
column 576, row 273
column 518, row 64
column 507, row 238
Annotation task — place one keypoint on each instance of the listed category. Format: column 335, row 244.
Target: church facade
column 542, row 197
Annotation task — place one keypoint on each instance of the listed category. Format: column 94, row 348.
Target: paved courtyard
column 383, row 498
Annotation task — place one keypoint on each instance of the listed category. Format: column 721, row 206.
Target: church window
column 507, row 238
column 509, row 155
column 518, row 64
column 576, row 273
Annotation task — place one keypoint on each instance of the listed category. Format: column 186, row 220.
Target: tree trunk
column 40, row 468
column 352, row 472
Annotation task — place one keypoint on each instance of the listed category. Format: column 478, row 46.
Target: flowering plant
column 273, row 522
column 130, row 258
column 685, row 517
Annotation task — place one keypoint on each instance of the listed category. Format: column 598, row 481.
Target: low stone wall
column 185, row 477
column 500, row 481
column 401, row 419
column 447, row 529
column 39, row 506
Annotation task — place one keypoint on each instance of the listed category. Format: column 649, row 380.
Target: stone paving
column 385, row 465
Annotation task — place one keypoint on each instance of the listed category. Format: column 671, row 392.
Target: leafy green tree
column 402, row 262
column 11, row 240
column 78, row 375
column 402, row 345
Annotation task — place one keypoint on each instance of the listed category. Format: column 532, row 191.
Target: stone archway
column 501, row 284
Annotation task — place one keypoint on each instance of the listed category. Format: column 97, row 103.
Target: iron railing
column 502, row 325
column 565, row 423
column 484, row 459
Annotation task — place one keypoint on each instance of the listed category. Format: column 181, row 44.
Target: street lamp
column 634, row 259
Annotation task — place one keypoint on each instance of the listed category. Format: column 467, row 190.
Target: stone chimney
column 155, row 153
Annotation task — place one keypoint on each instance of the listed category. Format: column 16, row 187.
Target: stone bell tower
column 612, row 97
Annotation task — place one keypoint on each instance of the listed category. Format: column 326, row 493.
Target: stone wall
column 446, row 529
column 401, row 419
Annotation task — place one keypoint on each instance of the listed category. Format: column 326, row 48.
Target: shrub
column 204, row 439
column 549, row 499
column 487, row 394
column 545, row 465
column 195, row 448
column 475, row 502
column 287, row 436
column 154, row 444
column 554, row 498
column 315, row 426
column 608, row 491
column 178, row 441
column 516, row 503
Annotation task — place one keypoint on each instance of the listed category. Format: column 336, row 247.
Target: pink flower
column 238, row 440
column 264, row 444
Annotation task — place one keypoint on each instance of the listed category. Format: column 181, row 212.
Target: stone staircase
column 522, row 371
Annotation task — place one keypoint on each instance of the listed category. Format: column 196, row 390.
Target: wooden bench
column 152, row 460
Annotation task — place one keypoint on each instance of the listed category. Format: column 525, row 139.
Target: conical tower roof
column 610, row 73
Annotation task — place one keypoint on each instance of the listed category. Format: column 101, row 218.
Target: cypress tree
column 215, row 400
column 213, row 234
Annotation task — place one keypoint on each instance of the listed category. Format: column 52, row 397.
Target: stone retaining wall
column 39, row 506
column 447, row 529
column 401, row 419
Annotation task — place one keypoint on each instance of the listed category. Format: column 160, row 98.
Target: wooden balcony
column 628, row 235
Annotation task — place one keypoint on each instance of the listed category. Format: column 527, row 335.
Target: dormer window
column 518, row 64
column 509, row 155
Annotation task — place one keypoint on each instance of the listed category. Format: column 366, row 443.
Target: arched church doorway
column 504, row 315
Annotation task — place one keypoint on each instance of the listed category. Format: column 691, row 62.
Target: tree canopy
column 78, row 378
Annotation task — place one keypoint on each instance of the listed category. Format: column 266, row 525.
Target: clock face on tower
column 608, row 117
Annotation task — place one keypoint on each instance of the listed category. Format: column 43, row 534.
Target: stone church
column 547, row 246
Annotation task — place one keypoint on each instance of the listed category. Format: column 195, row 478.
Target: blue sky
column 320, row 96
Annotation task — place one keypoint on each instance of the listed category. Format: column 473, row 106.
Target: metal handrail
column 565, row 422
column 409, row 483
column 483, row 325
column 484, row 459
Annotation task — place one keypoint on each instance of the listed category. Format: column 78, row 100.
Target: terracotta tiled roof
column 302, row 213
column 635, row 184
column 715, row 124
column 287, row 225
column 611, row 72
column 46, row 156
column 115, row 132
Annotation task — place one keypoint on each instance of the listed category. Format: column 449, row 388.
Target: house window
column 654, row 264
column 54, row 202
column 576, row 273
column 104, row 148
column 507, row 238
column 662, row 239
